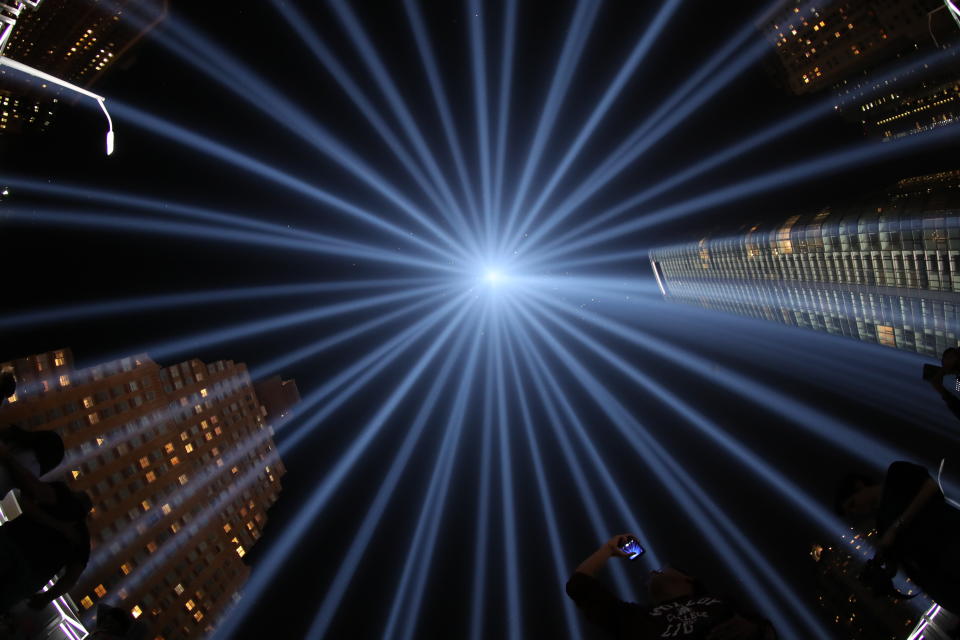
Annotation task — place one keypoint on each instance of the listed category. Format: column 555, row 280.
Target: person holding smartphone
column 681, row 606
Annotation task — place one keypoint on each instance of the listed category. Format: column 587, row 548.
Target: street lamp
column 19, row 66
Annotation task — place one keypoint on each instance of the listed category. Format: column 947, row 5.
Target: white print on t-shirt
column 681, row 617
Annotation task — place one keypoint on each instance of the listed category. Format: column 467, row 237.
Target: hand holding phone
column 630, row 546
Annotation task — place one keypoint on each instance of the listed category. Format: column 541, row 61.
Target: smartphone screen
column 632, row 548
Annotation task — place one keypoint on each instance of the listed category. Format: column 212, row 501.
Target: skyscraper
column 874, row 58
column 886, row 270
column 181, row 467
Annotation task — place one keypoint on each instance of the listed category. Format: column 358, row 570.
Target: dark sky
column 49, row 266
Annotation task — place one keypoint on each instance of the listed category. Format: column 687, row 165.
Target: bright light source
column 493, row 276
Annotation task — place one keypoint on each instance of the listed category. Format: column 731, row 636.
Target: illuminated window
column 166, row 508
column 151, row 476
column 218, row 431
column 178, row 588
column 174, row 527
column 88, row 402
column 75, row 473
column 12, row 399
column 151, row 546
column 214, row 419
column 100, row 590
column 93, row 418
column 226, row 528
column 136, row 612
column 249, row 526
column 168, row 447
column 100, row 441
column 64, row 380
column 86, row 602
column 59, row 359
column 145, row 505
column 203, row 423
column 234, row 540
column 189, row 448
column 198, row 615
column 885, row 335
column 190, row 605
column 203, row 393
column 183, row 479
column 234, row 470
column 184, row 436
column 125, row 568
column 240, row 551
column 208, row 436
column 144, row 462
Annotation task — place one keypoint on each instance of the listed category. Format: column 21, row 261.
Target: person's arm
column 24, row 480
column 599, row 606
column 36, row 513
column 64, row 584
column 920, row 500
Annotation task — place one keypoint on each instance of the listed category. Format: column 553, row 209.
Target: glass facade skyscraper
column 885, row 271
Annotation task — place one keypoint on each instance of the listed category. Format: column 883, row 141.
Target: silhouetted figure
column 681, row 607
column 918, row 530
column 39, row 452
column 50, row 536
column 950, row 365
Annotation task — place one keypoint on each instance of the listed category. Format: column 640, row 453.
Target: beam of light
column 550, row 392
column 855, row 155
column 551, row 527
column 362, row 371
column 420, row 552
column 478, row 66
column 833, row 431
column 371, row 59
column 263, row 578
column 316, row 46
column 233, row 157
column 165, row 207
column 671, row 112
column 214, row 296
column 694, row 500
column 813, row 508
column 197, row 51
column 479, row 582
column 822, row 108
column 626, row 72
column 512, row 593
column 581, row 24
column 361, row 539
column 425, row 49
column 206, row 339
column 126, row 222
column 503, row 106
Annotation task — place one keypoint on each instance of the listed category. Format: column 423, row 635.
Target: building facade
column 885, row 271
column 890, row 65
column 181, row 467
column 71, row 40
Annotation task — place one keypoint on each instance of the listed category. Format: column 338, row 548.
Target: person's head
column 857, row 495
column 670, row 583
column 8, row 383
column 951, row 360
column 48, row 447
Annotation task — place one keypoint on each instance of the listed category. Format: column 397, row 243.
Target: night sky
column 874, row 390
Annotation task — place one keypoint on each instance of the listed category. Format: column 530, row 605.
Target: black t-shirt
column 687, row 618
column 46, row 549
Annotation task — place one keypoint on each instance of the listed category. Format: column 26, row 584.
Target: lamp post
column 19, row 66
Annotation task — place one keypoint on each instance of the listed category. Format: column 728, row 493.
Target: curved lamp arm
column 19, row 66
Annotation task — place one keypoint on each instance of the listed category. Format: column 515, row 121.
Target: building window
column 166, row 509
column 88, row 402
column 190, row 605
column 174, row 460
column 125, row 568
column 93, row 418
column 168, row 447
column 64, row 380
column 226, row 528
column 189, row 448
column 145, row 505
column 178, row 588
column 100, row 590
column 183, row 479
column 144, row 462
column 151, row 546
column 59, row 358
column 86, row 602
column 136, row 611
column 151, row 476
column 240, row 551
column 198, row 616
